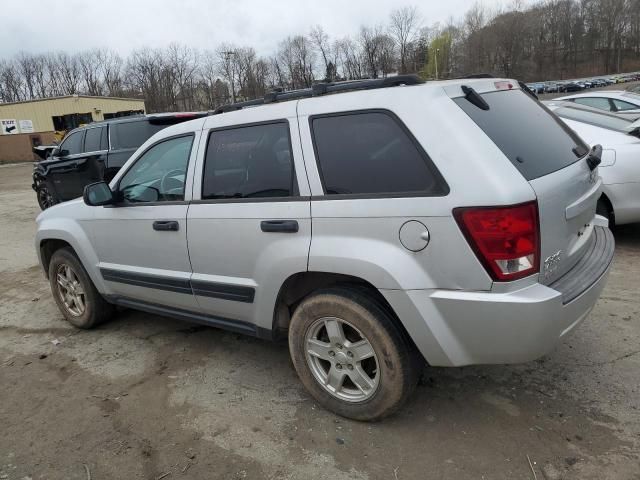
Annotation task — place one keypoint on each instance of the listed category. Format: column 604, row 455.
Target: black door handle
column 287, row 226
column 166, row 226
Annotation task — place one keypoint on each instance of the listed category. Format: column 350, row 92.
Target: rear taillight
column 505, row 239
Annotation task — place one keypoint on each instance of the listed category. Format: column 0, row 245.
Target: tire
column 80, row 291
column 45, row 199
column 392, row 367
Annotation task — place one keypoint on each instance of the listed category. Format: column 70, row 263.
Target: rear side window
column 249, row 162
column 535, row 141
column 622, row 106
column 372, row 153
column 93, row 140
column 132, row 134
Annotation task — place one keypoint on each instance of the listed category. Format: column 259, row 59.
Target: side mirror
column 61, row 152
column 97, row 194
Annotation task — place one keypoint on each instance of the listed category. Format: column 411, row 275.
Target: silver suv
column 375, row 224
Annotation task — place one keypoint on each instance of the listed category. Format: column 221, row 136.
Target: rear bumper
column 455, row 328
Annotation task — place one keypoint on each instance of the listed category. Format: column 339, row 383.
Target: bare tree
column 404, row 26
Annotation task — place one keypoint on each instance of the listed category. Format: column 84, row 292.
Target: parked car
column 620, row 170
column 572, row 87
column 616, row 101
column 92, row 153
column 372, row 236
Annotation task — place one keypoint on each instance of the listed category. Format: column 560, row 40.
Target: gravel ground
column 145, row 397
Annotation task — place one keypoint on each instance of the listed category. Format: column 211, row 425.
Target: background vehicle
column 94, row 152
column 620, row 169
column 616, row 101
column 372, row 235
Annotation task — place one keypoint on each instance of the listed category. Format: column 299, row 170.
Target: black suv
column 95, row 152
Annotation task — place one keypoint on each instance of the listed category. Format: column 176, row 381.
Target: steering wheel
column 167, row 177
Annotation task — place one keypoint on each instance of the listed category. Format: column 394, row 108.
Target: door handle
column 286, row 226
column 166, row 226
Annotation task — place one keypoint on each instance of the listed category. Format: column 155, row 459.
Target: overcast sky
column 124, row 25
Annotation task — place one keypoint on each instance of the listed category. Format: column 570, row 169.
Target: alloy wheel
column 70, row 290
column 342, row 359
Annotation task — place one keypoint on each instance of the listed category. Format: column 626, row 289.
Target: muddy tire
column 74, row 292
column 351, row 356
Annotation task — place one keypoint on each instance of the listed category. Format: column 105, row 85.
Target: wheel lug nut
column 339, row 346
column 339, row 367
column 332, row 353
column 350, row 367
column 350, row 354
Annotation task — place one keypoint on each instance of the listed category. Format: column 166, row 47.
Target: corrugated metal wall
column 41, row 111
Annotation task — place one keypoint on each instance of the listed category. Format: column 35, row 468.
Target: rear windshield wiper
column 474, row 98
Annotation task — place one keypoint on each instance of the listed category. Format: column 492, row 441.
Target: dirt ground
column 146, row 397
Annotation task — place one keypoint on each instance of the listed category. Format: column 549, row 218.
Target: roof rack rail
column 321, row 88
column 475, row 75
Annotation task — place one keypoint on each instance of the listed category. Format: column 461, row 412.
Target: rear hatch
column 552, row 158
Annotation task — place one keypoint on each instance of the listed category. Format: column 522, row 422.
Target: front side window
column 159, row 174
column 601, row 103
column 370, row 153
column 73, row 143
column 249, row 162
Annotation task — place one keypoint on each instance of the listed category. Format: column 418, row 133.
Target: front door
column 249, row 224
column 142, row 242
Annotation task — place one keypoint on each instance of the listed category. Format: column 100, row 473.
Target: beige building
column 24, row 125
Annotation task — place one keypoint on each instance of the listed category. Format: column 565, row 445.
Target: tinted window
column 535, row 140
column 249, row 162
column 159, row 173
column 601, row 103
column 73, row 143
column 622, row 106
column 132, row 134
column 369, row 152
column 93, row 139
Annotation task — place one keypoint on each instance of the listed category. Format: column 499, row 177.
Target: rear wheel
column 350, row 355
column 74, row 292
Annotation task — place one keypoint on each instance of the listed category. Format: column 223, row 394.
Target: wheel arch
column 300, row 285
column 609, row 206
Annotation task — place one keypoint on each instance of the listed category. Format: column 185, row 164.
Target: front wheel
column 74, row 292
column 351, row 356
column 45, row 199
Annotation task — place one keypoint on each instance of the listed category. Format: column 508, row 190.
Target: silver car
column 377, row 225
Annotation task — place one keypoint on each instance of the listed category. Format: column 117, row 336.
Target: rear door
column 249, row 224
column 553, row 160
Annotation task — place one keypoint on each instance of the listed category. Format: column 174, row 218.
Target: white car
column 619, row 102
column 620, row 169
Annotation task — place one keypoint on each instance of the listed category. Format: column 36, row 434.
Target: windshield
column 535, row 141
column 603, row 120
